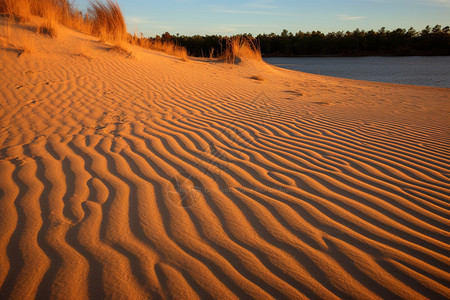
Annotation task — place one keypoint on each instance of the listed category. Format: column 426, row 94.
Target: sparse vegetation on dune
column 240, row 48
column 52, row 12
column 169, row 48
column 104, row 19
column 17, row 9
column 257, row 77
column 107, row 21
column 228, row 49
column 59, row 11
column 165, row 46
column 48, row 28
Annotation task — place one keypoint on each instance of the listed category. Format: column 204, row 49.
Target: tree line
column 429, row 41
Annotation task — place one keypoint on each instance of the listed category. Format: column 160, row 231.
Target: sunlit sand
column 147, row 176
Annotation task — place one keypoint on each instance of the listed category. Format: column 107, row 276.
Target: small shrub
column 257, row 77
column 181, row 52
column 48, row 28
column 240, row 48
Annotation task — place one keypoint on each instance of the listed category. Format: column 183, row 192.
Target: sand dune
column 150, row 177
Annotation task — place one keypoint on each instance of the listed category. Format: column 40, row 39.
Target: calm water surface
column 415, row 70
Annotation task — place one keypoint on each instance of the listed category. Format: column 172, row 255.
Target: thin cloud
column 263, row 5
column 439, row 3
column 350, row 18
column 443, row 3
column 244, row 12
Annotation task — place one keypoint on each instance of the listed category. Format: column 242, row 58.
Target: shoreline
column 371, row 68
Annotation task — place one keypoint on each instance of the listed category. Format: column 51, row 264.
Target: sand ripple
column 153, row 178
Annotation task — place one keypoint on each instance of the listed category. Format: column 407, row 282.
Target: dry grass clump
column 181, row 52
column 58, row 11
column 107, row 21
column 22, row 10
column 49, row 27
column 52, row 11
column 17, row 9
column 257, row 77
column 104, row 18
column 240, row 48
column 169, row 48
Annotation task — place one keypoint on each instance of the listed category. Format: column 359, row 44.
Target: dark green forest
column 429, row 41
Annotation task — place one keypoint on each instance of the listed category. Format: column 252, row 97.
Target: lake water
column 415, row 70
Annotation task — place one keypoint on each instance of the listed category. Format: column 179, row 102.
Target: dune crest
column 149, row 177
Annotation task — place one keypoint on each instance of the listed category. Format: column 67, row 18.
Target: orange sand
column 150, row 177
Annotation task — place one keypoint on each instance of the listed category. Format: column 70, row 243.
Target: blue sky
column 189, row 17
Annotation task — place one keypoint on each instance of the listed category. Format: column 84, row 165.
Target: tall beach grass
column 103, row 19
column 239, row 48
column 107, row 21
column 17, row 9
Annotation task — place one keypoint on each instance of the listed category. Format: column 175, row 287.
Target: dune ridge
column 156, row 178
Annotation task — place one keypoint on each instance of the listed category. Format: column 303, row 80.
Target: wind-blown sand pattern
column 150, row 177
